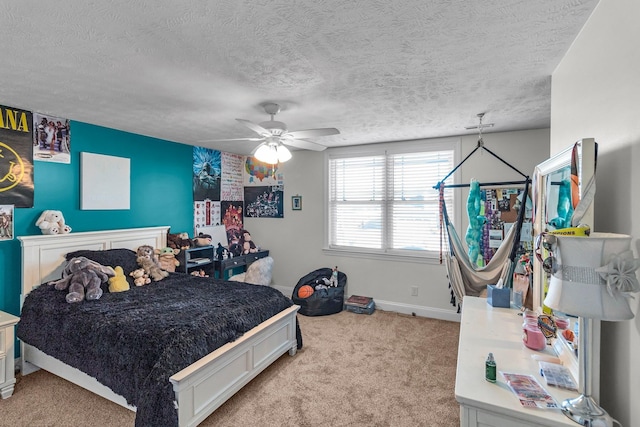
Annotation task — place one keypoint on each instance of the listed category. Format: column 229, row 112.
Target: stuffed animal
column 140, row 278
column 167, row 258
column 178, row 241
column 52, row 222
column 83, row 278
column 149, row 262
column 118, row 283
column 199, row 273
column 202, row 240
column 247, row 245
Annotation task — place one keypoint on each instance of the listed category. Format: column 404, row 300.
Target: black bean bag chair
column 322, row 301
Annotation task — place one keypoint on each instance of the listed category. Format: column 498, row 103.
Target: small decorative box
column 359, row 304
column 498, row 297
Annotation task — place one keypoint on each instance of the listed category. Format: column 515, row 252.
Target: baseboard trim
column 410, row 309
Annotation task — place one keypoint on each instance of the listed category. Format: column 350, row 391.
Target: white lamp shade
column 283, row 153
column 272, row 153
column 594, row 277
column 267, row 153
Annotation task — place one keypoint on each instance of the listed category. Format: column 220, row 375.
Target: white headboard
column 43, row 256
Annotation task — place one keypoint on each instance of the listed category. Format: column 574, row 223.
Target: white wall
column 296, row 241
column 596, row 93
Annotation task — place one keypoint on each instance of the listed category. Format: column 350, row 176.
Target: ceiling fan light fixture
column 272, row 153
column 283, row 153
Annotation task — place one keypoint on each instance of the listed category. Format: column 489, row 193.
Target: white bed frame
column 199, row 388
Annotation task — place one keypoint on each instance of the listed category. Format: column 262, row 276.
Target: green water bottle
column 490, row 369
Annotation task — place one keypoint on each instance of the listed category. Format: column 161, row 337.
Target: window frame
column 391, row 148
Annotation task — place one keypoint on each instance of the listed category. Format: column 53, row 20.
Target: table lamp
column 591, row 277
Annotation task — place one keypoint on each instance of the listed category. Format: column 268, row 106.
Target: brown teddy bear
column 179, row 241
column 149, row 262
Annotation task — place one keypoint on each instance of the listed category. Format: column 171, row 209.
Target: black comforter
column 134, row 341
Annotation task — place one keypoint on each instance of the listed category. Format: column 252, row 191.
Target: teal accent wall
column 161, row 194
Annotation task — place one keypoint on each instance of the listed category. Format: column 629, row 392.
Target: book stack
column 360, row 304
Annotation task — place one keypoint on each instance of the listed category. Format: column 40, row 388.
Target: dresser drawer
column 233, row 262
column 255, row 256
column 3, row 343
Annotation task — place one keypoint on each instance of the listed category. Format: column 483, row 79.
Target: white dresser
column 485, row 329
column 7, row 367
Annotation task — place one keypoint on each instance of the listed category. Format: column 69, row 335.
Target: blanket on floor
column 133, row 341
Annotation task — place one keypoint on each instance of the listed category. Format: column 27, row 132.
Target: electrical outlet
column 414, row 291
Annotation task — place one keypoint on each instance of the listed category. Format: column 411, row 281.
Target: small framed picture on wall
column 6, row 222
column 296, row 203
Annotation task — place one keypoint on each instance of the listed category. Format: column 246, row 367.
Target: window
column 381, row 198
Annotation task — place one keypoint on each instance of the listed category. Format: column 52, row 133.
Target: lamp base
column 586, row 412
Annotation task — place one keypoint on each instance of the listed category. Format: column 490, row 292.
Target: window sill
column 422, row 259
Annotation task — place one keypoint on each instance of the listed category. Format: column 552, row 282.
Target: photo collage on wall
column 500, row 209
column 228, row 187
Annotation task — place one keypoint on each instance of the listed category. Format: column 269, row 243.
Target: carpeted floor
column 380, row 370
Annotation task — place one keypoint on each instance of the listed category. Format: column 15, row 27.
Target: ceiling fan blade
column 254, row 127
column 231, row 139
column 303, row 144
column 312, row 133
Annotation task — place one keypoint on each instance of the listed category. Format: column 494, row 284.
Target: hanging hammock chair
column 465, row 278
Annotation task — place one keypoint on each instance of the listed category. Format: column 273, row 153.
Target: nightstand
column 7, row 368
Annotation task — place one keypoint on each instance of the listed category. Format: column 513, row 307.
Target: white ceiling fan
column 275, row 135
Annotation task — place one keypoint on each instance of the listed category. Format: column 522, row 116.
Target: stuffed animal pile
column 52, row 222
column 83, row 277
column 149, row 262
column 179, row 241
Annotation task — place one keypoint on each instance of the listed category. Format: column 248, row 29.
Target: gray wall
column 596, row 93
column 296, row 241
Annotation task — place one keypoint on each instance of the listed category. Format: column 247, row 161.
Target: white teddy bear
column 52, row 222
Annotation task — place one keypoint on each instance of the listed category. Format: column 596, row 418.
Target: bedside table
column 7, row 367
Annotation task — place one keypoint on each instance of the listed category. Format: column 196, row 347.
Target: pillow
column 259, row 272
column 125, row 258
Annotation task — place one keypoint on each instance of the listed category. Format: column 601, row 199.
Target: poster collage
column 24, row 137
column 229, row 187
column 500, row 210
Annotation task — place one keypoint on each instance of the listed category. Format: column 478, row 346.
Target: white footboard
column 202, row 387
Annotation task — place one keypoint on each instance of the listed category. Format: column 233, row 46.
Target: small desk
column 222, row 265
column 7, row 365
column 485, row 329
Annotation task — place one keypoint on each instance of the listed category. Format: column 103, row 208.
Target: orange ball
column 305, row 291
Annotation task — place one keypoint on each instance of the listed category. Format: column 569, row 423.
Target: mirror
column 556, row 196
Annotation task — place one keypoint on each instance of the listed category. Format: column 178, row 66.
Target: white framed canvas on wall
column 105, row 182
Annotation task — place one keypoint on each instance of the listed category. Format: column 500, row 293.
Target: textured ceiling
column 385, row 70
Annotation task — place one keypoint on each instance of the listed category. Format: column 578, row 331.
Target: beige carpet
column 380, row 370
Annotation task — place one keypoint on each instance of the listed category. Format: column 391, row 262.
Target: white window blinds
column 386, row 202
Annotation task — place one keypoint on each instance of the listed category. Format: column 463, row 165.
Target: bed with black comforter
column 134, row 341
